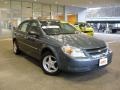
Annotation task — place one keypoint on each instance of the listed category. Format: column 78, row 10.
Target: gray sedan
column 58, row 47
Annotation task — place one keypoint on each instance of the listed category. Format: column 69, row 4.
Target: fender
column 55, row 50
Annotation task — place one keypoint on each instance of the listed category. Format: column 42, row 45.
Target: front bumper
column 82, row 65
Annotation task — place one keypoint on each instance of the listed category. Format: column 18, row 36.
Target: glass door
column 4, row 16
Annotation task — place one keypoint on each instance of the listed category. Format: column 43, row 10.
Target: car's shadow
column 77, row 77
column 30, row 59
column 84, row 76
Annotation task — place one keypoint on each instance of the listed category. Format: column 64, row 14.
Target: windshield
column 55, row 27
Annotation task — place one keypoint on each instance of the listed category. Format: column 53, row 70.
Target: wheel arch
column 52, row 50
column 47, row 49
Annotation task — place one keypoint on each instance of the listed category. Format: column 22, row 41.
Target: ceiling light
column 94, row 8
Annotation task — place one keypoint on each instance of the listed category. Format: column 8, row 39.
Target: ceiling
column 79, row 3
column 82, row 3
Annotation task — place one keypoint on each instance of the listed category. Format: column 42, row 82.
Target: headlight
column 73, row 51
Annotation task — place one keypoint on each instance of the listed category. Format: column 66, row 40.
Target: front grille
column 96, row 51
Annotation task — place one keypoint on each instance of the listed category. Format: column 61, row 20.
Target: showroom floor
column 23, row 73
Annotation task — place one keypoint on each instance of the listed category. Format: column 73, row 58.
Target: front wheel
column 49, row 64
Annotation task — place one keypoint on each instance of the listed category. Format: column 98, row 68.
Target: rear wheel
column 16, row 48
column 49, row 64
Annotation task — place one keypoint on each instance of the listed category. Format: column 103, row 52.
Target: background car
column 85, row 28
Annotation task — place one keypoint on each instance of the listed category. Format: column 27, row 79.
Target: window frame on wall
column 46, row 14
column 27, row 6
column 16, row 14
column 61, row 12
column 15, row 11
column 54, row 11
column 5, row 14
column 37, row 10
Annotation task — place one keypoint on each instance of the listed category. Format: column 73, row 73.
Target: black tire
column 16, row 48
column 46, row 71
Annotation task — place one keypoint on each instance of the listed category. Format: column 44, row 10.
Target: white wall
column 82, row 16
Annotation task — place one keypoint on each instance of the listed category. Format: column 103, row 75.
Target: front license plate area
column 103, row 61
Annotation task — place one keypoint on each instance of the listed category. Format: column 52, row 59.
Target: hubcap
column 50, row 64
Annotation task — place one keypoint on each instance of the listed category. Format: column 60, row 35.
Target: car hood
column 78, row 40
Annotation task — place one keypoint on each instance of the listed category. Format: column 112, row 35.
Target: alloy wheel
column 50, row 64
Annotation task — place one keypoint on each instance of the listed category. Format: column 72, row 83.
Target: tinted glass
column 50, row 27
column 55, row 27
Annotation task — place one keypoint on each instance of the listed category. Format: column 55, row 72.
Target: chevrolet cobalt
column 59, row 46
